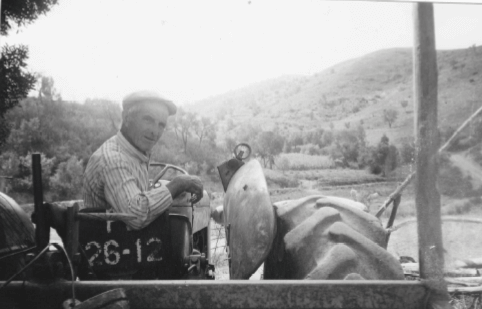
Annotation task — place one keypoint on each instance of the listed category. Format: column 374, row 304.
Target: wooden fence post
column 427, row 198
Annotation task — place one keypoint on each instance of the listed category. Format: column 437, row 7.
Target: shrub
column 66, row 183
column 23, row 178
column 283, row 164
column 384, row 158
column 310, row 149
column 451, row 181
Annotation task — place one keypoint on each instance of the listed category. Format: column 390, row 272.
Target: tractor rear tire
column 321, row 237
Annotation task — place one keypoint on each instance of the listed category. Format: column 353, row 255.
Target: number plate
column 113, row 250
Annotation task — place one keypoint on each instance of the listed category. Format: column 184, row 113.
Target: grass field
column 299, row 161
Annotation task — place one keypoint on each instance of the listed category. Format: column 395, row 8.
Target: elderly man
column 116, row 177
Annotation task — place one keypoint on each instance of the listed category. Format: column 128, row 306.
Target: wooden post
column 427, row 198
column 72, row 233
column 42, row 229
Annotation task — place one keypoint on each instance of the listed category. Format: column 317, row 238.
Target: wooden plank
column 249, row 219
column 230, row 293
column 427, row 198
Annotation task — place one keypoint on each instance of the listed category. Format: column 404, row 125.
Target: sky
column 190, row 50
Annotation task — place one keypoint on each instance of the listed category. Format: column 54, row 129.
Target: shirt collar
column 131, row 150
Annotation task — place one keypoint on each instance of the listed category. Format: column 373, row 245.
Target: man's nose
column 156, row 131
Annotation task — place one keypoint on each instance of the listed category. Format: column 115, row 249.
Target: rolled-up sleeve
column 124, row 196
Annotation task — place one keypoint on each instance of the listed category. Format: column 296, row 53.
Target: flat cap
column 147, row 96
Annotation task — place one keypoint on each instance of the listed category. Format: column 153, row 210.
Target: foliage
column 298, row 161
column 205, row 128
column 384, row 158
column 229, row 143
column 284, row 164
column 310, row 149
column 327, row 138
column 268, row 145
column 23, row 172
column 185, row 124
column 15, row 83
column 247, row 133
column 451, row 181
column 67, row 180
column 347, row 146
column 23, row 12
column 389, row 116
column 276, row 179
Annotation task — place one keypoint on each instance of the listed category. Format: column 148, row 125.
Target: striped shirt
column 116, row 179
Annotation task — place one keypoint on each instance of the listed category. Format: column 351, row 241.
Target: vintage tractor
column 316, row 237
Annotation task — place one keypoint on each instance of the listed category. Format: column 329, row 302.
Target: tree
column 268, row 146
column 385, row 157
column 205, row 128
column 23, row 12
column 184, row 125
column 67, row 180
column 390, row 115
column 326, row 138
column 229, row 143
column 347, row 146
column 15, row 81
column 404, row 103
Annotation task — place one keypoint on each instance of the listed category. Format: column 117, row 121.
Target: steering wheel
column 164, row 170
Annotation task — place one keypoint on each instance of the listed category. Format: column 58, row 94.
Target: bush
column 23, row 179
column 66, row 183
column 283, row 164
column 451, row 181
column 310, row 149
column 383, row 159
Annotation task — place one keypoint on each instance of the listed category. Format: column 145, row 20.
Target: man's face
column 145, row 126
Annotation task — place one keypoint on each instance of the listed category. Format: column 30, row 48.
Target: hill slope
column 350, row 92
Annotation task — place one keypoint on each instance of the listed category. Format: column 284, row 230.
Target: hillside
column 354, row 91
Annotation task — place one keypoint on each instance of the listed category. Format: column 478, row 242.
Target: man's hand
column 186, row 183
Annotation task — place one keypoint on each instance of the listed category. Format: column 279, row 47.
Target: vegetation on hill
column 354, row 115
column 375, row 90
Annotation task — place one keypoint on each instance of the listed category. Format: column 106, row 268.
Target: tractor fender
column 249, row 220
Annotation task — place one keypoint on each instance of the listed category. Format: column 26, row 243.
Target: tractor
column 313, row 238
